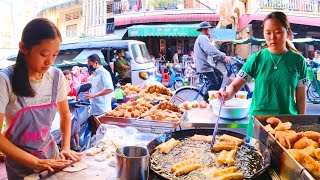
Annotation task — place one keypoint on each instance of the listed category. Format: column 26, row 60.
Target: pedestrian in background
column 280, row 74
column 101, row 92
column 206, row 55
column 176, row 57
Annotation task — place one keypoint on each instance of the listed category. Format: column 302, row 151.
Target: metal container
column 190, row 132
column 238, row 112
column 135, row 163
column 148, row 126
column 281, row 160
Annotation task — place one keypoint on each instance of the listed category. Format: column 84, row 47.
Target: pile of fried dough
column 158, row 89
column 303, row 146
column 153, row 97
column 131, row 89
column 164, row 111
column 226, row 157
column 131, row 109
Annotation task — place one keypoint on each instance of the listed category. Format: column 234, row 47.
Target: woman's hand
column 51, row 164
column 67, row 153
column 222, row 92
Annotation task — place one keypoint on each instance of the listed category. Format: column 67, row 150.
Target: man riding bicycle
column 206, row 55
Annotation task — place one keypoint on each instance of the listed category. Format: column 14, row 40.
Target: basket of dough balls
column 235, row 108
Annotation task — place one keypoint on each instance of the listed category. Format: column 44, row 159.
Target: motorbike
column 79, row 112
column 175, row 80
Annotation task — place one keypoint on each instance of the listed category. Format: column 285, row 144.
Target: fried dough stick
column 229, row 138
column 222, row 158
column 219, row 147
column 187, row 169
column 225, row 171
column 183, row 163
column 230, row 157
column 167, row 146
column 232, row 176
column 203, row 138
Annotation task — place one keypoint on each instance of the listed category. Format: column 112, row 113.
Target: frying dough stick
column 310, row 150
column 222, row 158
column 295, row 137
column 283, row 126
column 305, row 142
column 273, row 121
column 218, row 147
column 227, row 143
column 270, row 129
column 183, row 163
column 225, row 171
column 312, row 135
column 317, row 153
column 306, row 161
column 230, row 157
column 197, row 137
column 232, row 176
column 186, row 169
column 283, row 140
column 229, row 138
column 167, row 146
column 93, row 151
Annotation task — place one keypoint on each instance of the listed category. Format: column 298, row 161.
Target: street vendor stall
column 177, row 137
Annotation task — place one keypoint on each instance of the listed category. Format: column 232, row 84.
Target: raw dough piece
column 100, row 158
column 104, row 147
column 34, row 176
column 93, row 151
column 113, row 162
column 78, row 166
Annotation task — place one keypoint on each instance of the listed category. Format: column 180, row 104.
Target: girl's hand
column 67, row 153
column 51, row 164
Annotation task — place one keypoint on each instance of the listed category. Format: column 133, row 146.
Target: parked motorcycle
column 175, row 80
column 79, row 111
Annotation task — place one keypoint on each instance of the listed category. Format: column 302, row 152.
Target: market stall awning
column 250, row 40
column 178, row 30
column 310, row 41
column 165, row 30
column 257, row 41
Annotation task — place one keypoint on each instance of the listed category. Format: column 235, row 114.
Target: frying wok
column 180, row 135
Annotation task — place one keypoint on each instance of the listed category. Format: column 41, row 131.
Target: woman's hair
column 282, row 18
column 33, row 34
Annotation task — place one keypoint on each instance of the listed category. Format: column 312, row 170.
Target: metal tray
column 149, row 126
column 281, row 160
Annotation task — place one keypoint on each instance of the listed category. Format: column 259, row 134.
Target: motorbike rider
column 206, row 55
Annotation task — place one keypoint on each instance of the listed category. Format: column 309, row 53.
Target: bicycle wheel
column 187, row 93
column 312, row 94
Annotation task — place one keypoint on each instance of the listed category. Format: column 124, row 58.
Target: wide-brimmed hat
column 204, row 25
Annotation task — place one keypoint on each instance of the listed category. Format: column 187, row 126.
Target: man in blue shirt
column 101, row 93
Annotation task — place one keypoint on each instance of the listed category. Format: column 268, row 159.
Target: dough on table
column 78, row 166
column 34, row 176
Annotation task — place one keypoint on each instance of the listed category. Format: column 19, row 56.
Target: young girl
column 31, row 93
column 68, row 75
column 75, row 122
column 279, row 73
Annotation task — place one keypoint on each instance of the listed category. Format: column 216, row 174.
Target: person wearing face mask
column 101, row 93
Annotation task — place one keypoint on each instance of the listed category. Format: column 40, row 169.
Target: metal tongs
column 215, row 131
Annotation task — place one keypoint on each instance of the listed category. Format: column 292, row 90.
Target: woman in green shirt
column 279, row 73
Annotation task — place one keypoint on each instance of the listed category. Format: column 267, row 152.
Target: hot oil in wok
column 248, row 160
